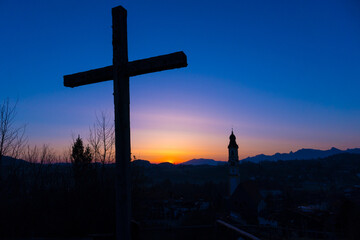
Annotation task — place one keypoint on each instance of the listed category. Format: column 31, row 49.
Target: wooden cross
column 120, row 72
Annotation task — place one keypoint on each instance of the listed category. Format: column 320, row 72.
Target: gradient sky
column 284, row 74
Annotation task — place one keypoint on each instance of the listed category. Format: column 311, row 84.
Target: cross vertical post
column 122, row 123
column 120, row 72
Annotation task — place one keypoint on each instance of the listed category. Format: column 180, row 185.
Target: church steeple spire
column 232, row 143
column 234, row 175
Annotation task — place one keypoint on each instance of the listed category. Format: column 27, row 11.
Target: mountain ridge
column 203, row 161
column 301, row 154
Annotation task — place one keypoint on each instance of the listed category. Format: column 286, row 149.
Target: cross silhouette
column 120, row 72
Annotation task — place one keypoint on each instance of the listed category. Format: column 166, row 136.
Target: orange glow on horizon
column 165, row 136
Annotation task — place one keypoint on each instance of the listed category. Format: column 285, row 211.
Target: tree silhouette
column 102, row 139
column 81, row 159
column 12, row 137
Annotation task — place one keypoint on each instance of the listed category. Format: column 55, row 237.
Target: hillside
column 302, row 154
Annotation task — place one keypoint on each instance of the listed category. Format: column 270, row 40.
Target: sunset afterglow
column 283, row 75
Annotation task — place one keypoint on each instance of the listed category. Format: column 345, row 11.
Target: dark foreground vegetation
column 69, row 200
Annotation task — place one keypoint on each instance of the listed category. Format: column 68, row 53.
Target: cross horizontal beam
column 134, row 68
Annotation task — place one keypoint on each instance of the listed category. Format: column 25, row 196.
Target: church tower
column 234, row 175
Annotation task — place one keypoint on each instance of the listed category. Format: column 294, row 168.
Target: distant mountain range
column 203, row 161
column 9, row 161
column 146, row 163
column 302, row 154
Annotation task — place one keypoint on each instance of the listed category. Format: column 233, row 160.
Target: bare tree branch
column 12, row 137
column 102, row 139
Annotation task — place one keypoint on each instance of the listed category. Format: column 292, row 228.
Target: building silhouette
column 234, row 175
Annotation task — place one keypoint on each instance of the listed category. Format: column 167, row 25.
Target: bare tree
column 40, row 160
column 94, row 141
column 102, row 139
column 43, row 155
column 12, row 137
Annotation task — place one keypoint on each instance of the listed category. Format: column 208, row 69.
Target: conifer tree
column 81, row 159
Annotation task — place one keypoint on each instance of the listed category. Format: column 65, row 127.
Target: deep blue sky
column 283, row 74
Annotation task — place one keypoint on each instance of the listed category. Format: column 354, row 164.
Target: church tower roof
column 233, row 143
